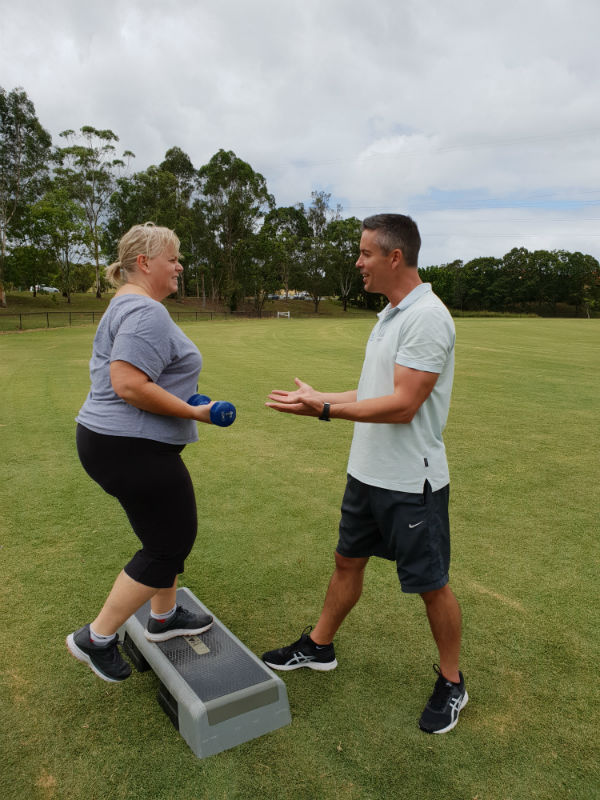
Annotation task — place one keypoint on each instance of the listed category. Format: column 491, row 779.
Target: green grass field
column 522, row 440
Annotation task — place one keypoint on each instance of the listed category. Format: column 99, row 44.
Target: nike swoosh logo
column 415, row 524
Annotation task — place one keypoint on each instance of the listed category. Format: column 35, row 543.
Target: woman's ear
column 142, row 262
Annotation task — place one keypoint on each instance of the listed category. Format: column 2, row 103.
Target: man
column 396, row 501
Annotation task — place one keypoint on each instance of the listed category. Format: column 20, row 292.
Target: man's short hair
column 396, row 232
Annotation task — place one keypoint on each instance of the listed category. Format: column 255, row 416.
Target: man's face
column 374, row 265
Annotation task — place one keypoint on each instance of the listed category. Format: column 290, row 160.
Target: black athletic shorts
column 153, row 485
column 411, row 529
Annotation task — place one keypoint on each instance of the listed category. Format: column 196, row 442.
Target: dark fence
column 33, row 320
column 189, row 316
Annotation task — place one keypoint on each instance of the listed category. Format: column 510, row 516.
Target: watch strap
column 324, row 415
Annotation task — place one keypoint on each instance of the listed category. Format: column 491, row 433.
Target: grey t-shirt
column 140, row 331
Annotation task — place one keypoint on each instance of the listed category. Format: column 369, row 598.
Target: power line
column 449, row 235
column 420, row 208
column 509, row 142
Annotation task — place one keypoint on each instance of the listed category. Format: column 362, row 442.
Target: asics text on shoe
column 440, row 714
column 302, row 653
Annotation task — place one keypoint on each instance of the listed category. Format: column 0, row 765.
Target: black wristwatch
column 324, row 415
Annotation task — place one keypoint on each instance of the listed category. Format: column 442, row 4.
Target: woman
column 131, row 430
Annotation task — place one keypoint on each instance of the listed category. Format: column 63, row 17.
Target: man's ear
column 397, row 259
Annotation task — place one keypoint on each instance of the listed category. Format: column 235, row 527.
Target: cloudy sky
column 479, row 118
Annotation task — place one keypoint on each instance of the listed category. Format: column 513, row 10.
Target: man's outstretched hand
column 304, row 400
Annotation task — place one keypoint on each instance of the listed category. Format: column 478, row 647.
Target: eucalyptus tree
column 582, row 281
column 459, row 283
column 343, row 240
column 167, row 195
column 29, row 265
column 234, row 200
column 317, row 277
column 274, row 255
column 25, row 149
column 546, row 266
column 89, row 166
column 480, row 280
column 286, row 232
column 443, row 280
column 590, row 286
column 179, row 165
column 59, row 226
column 146, row 196
column 200, row 255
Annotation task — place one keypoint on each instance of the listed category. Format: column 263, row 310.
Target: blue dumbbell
column 222, row 413
column 199, row 400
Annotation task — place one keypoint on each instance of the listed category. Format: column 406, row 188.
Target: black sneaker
column 303, row 653
column 182, row 623
column 445, row 704
column 105, row 660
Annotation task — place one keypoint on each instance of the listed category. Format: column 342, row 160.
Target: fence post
column 47, row 320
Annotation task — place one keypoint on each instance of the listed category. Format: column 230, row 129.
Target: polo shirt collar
column 411, row 297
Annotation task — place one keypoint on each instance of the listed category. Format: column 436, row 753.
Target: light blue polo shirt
column 417, row 333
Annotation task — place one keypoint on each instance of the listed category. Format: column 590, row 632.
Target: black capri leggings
column 154, row 487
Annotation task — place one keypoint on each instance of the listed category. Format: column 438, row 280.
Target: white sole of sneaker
column 163, row 637
column 316, row 665
column 454, row 722
column 85, row 659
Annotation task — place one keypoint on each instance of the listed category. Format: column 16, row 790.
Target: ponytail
column 114, row 274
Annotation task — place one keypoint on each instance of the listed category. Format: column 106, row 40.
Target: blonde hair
column 149, row 240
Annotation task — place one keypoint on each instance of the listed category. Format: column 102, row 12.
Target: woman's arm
column 136, row 388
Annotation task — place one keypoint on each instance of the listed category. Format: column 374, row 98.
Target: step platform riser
column 217, row 693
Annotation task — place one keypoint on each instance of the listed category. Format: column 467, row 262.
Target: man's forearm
column 390, row 409
column 339, row 397
column 411, row 388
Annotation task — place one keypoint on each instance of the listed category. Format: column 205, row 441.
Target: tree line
column 64, row 207
column 543, row 282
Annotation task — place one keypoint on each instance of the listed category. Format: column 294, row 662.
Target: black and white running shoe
column 445, row 704
column 104, row 660
column 303, row 653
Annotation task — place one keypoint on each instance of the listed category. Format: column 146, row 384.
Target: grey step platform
column 217, row 693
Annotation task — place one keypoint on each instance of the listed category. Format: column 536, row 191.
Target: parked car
column 42, row 288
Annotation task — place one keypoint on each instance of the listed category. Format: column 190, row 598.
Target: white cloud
column 385, row 106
